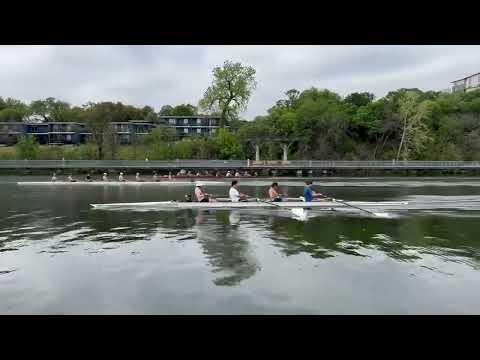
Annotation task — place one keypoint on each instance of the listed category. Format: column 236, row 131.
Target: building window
column 69, row 137
column 199, row 121
column 213, row 131
column 199, row 131
column 185, row 130
column 171, row 121
column 185, row 121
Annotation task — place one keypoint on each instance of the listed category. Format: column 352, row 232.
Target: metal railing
column 229, row 164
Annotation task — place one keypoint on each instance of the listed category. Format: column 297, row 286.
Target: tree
column 50, row 109
column 252, row 135
column 230, row 91
column 415, row 132
column 359, row 99
column 166, row 110
column 161, row 134
column 27, row 147
column 227, row 144
column 99, row 118
column 291, row 101
column 184, row 110
column 12, row 115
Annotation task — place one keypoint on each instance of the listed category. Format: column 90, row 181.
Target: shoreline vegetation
column 406, row 124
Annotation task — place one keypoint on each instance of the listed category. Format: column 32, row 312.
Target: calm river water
column 58, row 256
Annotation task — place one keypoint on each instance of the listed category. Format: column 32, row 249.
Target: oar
column 352, row 206
column 268, row 202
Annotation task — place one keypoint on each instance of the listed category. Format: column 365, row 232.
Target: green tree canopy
column 230, row 91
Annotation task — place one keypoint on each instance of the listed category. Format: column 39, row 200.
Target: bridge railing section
column 232, row 164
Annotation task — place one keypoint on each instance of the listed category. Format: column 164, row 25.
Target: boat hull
column 245, row 205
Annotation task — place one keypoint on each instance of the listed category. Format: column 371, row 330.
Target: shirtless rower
column 138, row 178
column 105, row 177
column 120, row 177
column 54, row 177
column 155, row 176
column 201, row 195
column 274, row 193
column 71, row 179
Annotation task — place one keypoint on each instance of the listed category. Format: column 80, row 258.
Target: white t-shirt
column 234, row 195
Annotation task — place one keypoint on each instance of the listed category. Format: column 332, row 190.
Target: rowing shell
column 242, row 205
column 115, row 183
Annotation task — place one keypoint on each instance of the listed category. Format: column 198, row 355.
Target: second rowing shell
column 114, row 183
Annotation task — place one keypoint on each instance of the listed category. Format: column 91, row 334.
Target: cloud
column 160, row 75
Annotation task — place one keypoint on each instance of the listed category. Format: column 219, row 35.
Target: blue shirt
column 307, row 193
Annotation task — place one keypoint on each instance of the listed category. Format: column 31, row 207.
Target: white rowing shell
column 234, row 205
column 116, row 183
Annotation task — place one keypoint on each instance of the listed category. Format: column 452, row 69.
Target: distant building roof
column 465, row 77
column 189, row 116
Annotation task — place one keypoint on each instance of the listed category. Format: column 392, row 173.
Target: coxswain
column 309, row 194
column 120, row 177
column 54, row 177
column 234, row 194
column 274, row 193
column 105, row 177
column 71, row 179
column 201, row 195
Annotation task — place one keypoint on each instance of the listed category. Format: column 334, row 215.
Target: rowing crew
column 274, row 193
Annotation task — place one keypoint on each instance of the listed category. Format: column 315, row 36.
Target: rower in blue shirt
column 309, row 194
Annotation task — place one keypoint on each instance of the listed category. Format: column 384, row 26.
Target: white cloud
column 160, row 75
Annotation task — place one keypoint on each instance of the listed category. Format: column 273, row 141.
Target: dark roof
column 189, row 116
column 465, row 77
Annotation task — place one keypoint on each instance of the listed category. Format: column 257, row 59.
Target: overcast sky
column 160, row 75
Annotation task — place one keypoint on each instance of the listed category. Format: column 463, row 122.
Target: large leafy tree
column 99, row 118
column 415, row 133
column 230, row 91
column 51, row 109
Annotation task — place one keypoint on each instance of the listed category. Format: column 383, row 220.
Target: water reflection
column 236, row 246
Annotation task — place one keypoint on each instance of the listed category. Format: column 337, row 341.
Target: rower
column 120, row 177
column 54, row 177
column 105, row 177
column 274, row 193
column 88, row 177
column 189, row 173
column 234, row 194
column 228, row 173
column 198, row 174
column 155, row 176
column 169, row 175
column 309, row 194
column 71, row 179
column 237, row 174
column 246, row 173
column 201, row 195
column 138, row 178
